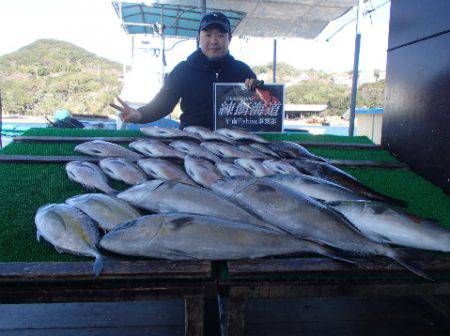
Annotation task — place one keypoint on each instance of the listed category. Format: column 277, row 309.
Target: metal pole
column 203, row 7
column 274, row 60
column 351, row 127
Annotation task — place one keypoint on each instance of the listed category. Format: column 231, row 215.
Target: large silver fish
column 89, row 176
column 164, row 170
column 102, row 148
column 69, row 230
column 288, row 149
column 255, row 167
column 256, row 154
column 303, row 217
column 382, row 224
column 154, row 148
column 240, row 135
column 107, row 211
column 280, row 167
column 330, row 173
column 122, row 170
column 172, row 196
column 229, row 169
column 207, row 134
column 187, row 236
column 227, row 151
column 194, row 149
column 201, row 171
column 264, row 149
column 167, row 133
column 315, row 187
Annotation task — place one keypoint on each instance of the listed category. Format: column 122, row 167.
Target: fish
column 194, row 149
column 154, row 148
column 240, row 135
column 207, row 135
column 227, row 151
column 186, row 236
column 69, row 230
column 316, row 188
column 201, row 171
column 330, row 173
column 229, row 169
column 264, row 149
column 255, row 154
column 304, row 217
column 108, row 212
column 167, row 133
column 381, row 224
column 255, row 167
column 164, row 170
column 173, row 196
column 100, row 148
column 292, row 150
column 122, row 170
column 280, row 167
column 89, row 176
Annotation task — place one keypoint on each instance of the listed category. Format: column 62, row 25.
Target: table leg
column 194, row 312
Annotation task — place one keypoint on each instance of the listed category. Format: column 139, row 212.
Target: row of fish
column 225, row 195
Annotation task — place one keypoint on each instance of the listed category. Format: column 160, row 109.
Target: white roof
column 277, row 18
column 304, row 107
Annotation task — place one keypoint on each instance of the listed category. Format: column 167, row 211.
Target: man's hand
column 252, row 83
column 127, row 113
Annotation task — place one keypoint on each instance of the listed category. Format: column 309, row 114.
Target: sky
column 94, row 26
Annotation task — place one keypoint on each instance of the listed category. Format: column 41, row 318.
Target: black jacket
column 192, row 81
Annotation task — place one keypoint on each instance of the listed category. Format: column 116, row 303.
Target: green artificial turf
column 26, row 187
column 315, row 138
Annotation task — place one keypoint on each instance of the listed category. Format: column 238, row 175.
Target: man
column 192, row 80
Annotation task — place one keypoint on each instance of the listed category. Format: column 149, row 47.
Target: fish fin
column 330, row 253
column 112, row 192
column 98, row 265
column 179, row 255
column 402, row 257
column 38, row 235
column 59, row 250
column 379, row 238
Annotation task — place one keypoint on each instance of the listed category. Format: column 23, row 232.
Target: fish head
column 138, row 193
column 91, row 148
column 134, row 235
column 183, row 146
column 230, row 186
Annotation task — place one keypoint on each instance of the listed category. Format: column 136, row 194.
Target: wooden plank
column 194, row 312
column 63, row 159
column 81, row 139
column 339, row 145
column 324, row 266
column 368, row 164
column 73, row 139
column 112, row 269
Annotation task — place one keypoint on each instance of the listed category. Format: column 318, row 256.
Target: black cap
column 215, row 19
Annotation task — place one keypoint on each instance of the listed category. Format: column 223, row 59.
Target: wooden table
column 48, row 282
column 320, row 277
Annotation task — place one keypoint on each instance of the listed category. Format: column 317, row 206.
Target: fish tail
column 330, row 253
column 402, row 258
column 98, row 265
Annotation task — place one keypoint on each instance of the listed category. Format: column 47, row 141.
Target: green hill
column 48, row 74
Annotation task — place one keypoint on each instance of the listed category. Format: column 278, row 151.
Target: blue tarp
column 179, row 21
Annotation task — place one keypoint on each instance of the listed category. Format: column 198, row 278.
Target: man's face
column 214, row 42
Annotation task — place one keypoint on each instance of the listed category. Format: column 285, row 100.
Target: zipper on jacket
column 217, row 74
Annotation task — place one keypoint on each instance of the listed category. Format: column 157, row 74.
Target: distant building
column 299, row 111
column 342, row 79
